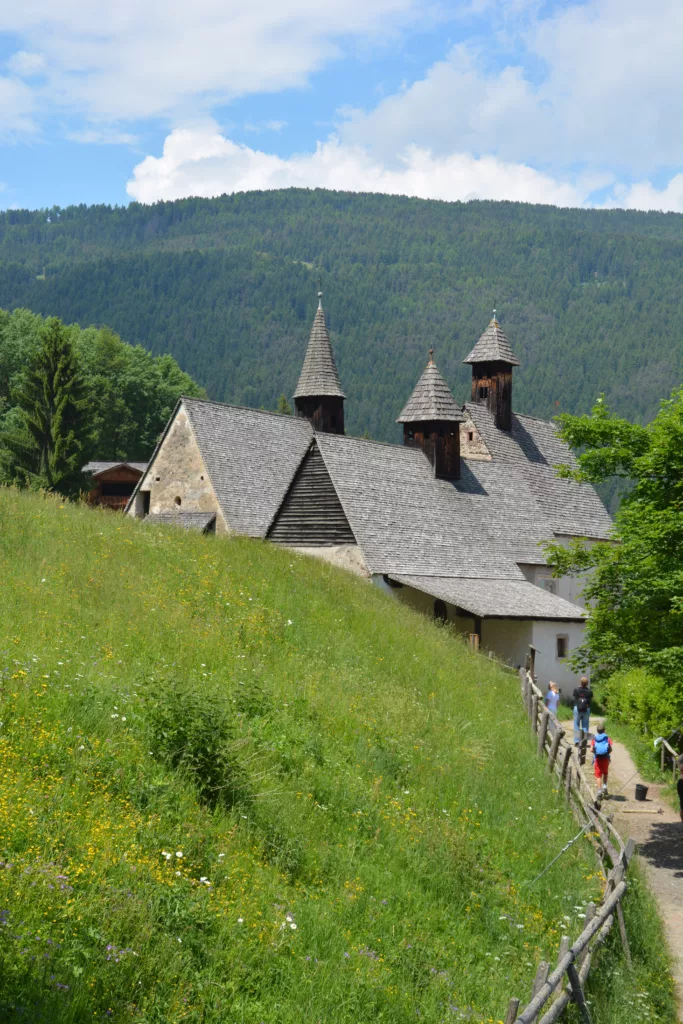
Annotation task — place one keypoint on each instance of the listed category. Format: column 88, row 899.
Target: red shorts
column 601, row 766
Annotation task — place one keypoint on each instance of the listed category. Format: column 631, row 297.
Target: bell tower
column 318, row 396
column 492, row 361
column 431, row 421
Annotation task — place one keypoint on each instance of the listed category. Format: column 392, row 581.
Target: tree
column 635, row 588
column 283, row 406
column 47, row 446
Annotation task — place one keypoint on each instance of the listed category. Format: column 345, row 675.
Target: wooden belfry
column 431, row 421
column 492, row 360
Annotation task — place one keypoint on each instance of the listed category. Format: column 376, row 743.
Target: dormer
column 431, row 421
column 492, row 360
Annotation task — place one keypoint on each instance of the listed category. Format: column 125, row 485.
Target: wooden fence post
column 511, row 1015
column 534, row 713
column 568, row 783
column 557, row 739
column 529, row 696
column 577, row 993
column 565, row 760
column 590, row 914
column 543, row 732
column 582, row 747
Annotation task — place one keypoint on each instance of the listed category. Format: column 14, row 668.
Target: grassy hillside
column 241, row 786
column 592, row 300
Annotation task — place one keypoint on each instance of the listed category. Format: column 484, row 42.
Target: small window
column 201, row 478
column 440, row 612
column 483, row 392
column 562, row 644
column 178, row 501
column 157, row 478
column 470, row 435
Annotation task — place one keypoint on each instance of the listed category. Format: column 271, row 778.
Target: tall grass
column 241, row 785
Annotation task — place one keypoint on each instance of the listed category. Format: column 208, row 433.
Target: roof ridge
column 242, row 408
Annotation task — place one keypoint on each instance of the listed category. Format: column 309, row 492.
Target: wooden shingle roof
column 431, row 400
column 493, row 347
column 533, row 445
column 503, row 599
column 319, row 373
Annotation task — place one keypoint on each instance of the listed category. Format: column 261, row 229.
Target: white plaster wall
column 548, row 667
column 568, row 587
column 178, row 471
column 509, row 639
column 424, row 603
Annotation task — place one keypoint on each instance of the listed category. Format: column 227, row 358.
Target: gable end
column 311, row 514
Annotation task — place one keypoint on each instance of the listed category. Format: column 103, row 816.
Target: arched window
column 440, row 611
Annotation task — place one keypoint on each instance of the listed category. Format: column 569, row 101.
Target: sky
column 569, row 103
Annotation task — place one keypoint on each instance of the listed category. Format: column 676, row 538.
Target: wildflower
column 240, row 920
column 123, row 718
column 293, row 926
column 179, row 853
column 289, row 622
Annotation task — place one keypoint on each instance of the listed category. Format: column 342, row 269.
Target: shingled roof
column 493, row 347
column 502, row 599
column 570, row 509
column 319, row 373
column 431, row 400
column 95, row 468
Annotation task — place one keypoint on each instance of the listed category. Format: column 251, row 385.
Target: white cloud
column 102, row 137
column 135, row 59
column 203, row 162
column 16, row 108
column 644, row 196
column 597, row 83
column 25, row 64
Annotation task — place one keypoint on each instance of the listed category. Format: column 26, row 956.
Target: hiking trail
column 658, row 831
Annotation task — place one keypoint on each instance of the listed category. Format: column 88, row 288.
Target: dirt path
column 659, row 835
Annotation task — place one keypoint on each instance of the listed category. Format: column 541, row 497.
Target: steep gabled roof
column 431, row 400
column 493, row 347
column 319, row 373
column 251, row 458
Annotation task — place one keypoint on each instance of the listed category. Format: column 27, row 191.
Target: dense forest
column 69, row 394
column 591, row 300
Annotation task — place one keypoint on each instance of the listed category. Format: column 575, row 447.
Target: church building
column 452, row 521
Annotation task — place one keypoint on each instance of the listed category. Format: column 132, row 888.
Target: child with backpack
column 602, row 748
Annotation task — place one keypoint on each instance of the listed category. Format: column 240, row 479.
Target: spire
column 431, row 400
column 493, row 347
column 319, row 373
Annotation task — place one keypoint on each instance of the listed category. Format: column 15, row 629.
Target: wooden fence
column 567, row 762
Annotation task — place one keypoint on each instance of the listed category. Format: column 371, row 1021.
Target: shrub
column 646, row 701
column 194, row 732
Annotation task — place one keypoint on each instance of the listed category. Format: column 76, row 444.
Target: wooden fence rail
column 566, row 761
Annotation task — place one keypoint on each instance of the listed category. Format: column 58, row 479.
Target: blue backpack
column 601, row 744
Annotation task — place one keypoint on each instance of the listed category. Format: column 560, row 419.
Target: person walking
column 583, row 695
column 602, row 749
column 552, row 698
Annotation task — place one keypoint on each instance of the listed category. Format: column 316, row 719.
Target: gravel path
column 658, row 831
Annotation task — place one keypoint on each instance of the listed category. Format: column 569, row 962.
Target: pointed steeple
column 431, row 421
column 492, row 361
column 431, row 399
column 319, row 396
column 493, row 347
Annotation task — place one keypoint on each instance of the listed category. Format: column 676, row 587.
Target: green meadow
column 239, row 785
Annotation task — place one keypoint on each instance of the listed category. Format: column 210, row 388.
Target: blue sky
column 573, row 103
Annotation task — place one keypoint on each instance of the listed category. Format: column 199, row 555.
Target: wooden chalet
column 452, row 521
column 112, row 483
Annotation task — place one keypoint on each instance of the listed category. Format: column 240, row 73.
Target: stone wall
column 177, row 479
column 474, row 448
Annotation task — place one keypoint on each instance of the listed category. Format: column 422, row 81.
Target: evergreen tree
column 283, row 406
column 48, row 444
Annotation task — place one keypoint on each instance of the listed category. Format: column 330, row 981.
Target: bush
column 645, row 701
column 194, row 732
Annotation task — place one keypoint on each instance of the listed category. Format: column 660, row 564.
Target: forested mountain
column 591, row 300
